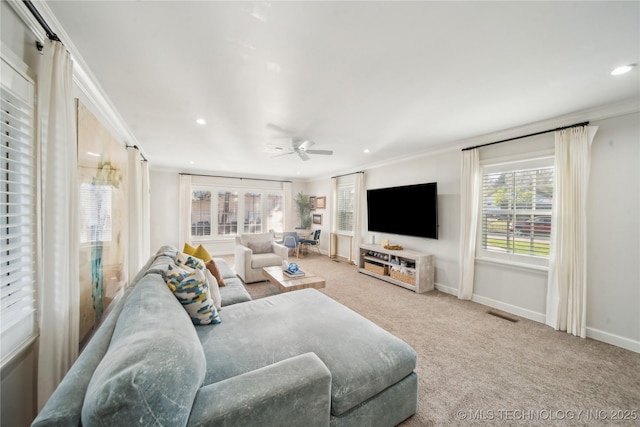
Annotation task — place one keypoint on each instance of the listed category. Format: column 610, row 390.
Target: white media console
column 406, row 268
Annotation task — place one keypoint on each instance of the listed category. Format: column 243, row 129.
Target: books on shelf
column 298, row 273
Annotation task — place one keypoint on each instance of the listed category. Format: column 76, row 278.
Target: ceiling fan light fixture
column 623, row 69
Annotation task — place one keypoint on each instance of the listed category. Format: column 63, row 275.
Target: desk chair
column 315, row 242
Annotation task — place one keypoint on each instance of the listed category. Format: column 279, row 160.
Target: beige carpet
column 478, row 369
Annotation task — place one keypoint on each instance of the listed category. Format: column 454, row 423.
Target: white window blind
column 516, row 208
column 253, row 212
column 17, row 216
column 201, row 213
column 345, row 209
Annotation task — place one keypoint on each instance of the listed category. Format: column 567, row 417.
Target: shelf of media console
column 423, row 266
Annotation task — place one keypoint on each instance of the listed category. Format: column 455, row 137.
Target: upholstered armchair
column 255, row 251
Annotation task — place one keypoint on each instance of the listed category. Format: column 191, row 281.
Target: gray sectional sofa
column 294, row 359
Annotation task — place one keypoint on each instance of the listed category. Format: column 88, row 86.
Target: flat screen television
column 409, row 210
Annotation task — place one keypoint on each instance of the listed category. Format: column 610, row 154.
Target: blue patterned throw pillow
column 191, row 288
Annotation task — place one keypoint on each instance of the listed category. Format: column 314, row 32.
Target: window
column 221, row 209
column 517, row 199
column 275, row 218
column 252, row 212
column 345, row 209
column 201, row 213
column 95, row 213
column 227, row 213
column 18, row 215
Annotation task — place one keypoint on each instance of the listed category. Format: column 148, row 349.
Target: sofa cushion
column 262, row 247
column 265, row 260
column 226, row 272
column 191, row 288
column 363, row 358
column 154, row 365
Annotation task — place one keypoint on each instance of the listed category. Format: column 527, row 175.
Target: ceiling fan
column 299, row 146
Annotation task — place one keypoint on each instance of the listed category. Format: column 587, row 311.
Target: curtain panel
column 567, row 283
column 58, row 258
column 469, row 206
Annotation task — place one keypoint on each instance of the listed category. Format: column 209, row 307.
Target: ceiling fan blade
column 303, row 155
column 306, row 144
column 277, row 128
column 325, row 152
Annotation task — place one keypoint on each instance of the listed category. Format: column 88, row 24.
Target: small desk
column 286, row 284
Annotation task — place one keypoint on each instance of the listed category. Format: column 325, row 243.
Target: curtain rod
column 50, row 34
column 347, row 174
column 526, row 136
column 232, row 177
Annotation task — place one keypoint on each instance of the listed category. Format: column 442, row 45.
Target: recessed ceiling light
column 192, row 162
column 366, row 150
column 622, row 69
column 201, row 121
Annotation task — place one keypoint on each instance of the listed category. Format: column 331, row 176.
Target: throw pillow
column 192, row 290
column 260, row 247
column 215, row 290
column 213, row 269
column 202, row 253
column 188, row 249
column 184, row 260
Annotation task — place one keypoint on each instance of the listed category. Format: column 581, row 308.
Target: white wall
column 613, row 214
column 164, row 205
column 443, row 168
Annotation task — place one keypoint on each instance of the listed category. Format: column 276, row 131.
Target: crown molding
column 83, row 77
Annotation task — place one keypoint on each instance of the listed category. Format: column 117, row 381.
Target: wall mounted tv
column 410, row 210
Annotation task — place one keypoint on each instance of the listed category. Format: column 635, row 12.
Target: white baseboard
column 447, row 289
column 518, row 311
column 613, row 339
column 593, row 333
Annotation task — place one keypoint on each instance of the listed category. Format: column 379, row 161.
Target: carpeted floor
column 479, row 369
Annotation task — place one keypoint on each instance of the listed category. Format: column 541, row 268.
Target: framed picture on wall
column 317, row 219
column 321, row 202
column 312, row 202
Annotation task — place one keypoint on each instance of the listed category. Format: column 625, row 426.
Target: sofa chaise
column 295, row 359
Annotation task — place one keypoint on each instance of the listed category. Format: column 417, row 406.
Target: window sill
column 519, row 265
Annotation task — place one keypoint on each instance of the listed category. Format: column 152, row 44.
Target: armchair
column 255, row 251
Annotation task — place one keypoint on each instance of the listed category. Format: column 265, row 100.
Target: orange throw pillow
column 213, row 268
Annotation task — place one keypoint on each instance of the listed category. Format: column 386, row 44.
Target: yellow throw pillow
column 202, row 253
column 188, row 249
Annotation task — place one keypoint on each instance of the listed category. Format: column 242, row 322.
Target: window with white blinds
column 345, row 207
column 517, row 199
column 17, row 216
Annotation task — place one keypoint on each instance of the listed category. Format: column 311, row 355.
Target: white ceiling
column 397, row 78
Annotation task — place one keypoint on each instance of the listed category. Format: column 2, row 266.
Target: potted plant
column 303, row 201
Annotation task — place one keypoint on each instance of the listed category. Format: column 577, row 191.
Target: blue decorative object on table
column 292, row 268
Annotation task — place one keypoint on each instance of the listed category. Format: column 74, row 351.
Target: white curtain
column 288, row 205
column 146, row 211
column 136, row 234
column 58, row 258
column 185, row 210
column 360, row 199
column 567, row 285
column 469, row 205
